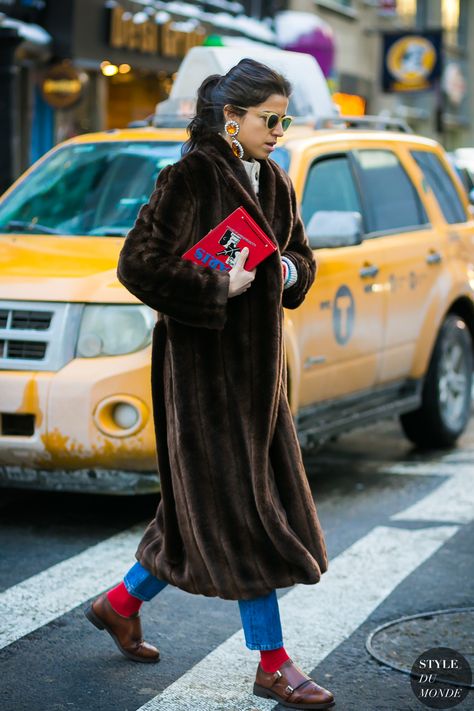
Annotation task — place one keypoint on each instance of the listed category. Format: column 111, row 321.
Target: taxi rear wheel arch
column 446, row 396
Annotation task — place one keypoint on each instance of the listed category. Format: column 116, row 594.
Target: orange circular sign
column 62, row 86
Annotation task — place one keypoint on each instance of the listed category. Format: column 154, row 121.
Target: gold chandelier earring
column 232, row 128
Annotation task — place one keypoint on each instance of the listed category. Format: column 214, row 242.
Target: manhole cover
column 397, row 644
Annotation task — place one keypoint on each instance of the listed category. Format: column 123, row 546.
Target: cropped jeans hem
column 142, row 584
column 263, row 647
column 260, row 616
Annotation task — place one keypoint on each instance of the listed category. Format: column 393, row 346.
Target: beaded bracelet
column 290, row 273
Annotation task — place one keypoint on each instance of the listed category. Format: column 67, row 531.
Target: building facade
column 444, row 112
column 99, row 64
column 75, row 66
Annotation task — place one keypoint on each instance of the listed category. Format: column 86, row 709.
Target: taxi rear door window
column 390, row 198
column 442, row 186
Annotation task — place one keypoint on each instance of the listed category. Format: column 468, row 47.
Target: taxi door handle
column 369, row 270
column 314, row 360
column 434, row 257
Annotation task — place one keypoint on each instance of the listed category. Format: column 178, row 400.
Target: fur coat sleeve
column 150, row 264
column 299, row 251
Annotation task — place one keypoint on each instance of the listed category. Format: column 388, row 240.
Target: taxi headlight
column 107, row 330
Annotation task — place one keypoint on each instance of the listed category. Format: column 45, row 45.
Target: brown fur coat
column 236, row 518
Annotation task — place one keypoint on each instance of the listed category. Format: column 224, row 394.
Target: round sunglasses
column 271, row 118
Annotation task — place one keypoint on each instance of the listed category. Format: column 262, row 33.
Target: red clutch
column 219, row 248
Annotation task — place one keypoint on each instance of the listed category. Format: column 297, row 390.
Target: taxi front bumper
column 57, row 429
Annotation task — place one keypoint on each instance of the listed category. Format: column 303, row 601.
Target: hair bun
column 206, row 90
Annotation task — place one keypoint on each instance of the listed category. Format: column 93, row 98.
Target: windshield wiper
column 108, row 232
column 31, row 227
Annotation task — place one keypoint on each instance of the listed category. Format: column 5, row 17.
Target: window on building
column 465, row 8
column 344, row 3
column 407, row 11
column 422, row 14
column 450, row 20
column 441, row 184
column 330, row 186
column 391, row 200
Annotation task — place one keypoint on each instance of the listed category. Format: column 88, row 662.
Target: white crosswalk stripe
column 451, row 502
column 422, row 469
column 464, row 455
column 56, row 590
column 442, row 468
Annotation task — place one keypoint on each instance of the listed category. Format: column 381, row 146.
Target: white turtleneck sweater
column 290, row 273
column 252, row 167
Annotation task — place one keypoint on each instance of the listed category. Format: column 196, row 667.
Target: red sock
column 271, row 660
column 122, row 602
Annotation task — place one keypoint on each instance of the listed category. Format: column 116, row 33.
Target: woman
column 236, row 517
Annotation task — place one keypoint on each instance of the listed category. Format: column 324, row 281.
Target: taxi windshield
column 92, row 189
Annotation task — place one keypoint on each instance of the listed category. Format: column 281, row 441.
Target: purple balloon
column 319, row 44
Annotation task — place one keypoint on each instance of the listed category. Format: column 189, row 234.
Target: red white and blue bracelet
column 290, row 273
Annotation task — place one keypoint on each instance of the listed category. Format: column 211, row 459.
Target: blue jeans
column 260, row 616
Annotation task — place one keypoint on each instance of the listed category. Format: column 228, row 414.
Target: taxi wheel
column 446, row 399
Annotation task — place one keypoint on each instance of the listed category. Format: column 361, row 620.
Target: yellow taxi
column 386, row 330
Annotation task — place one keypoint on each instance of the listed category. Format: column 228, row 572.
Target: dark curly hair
column 249, row 83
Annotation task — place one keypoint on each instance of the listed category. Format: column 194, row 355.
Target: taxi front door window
column 330, row 186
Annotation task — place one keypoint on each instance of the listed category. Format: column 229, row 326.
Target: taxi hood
column 60, row 268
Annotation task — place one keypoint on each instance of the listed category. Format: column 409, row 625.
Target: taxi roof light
column 380, row 123
column 310, row 96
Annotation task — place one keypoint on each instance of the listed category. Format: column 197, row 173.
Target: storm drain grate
column 398, row 643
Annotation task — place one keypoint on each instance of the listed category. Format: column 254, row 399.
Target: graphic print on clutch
column 220, row 247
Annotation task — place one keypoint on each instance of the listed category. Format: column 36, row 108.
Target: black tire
column 446, row 398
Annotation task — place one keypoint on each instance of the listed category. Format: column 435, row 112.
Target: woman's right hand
column 240, row 278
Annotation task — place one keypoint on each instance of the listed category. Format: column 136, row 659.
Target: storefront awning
column 35, row 41
column 28, row 31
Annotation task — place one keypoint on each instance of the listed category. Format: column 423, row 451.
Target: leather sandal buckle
column 289, row 690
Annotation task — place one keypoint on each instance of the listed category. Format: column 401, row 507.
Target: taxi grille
column 17, row 425
column 38, row 335
column 22, row 349
column 35, row 320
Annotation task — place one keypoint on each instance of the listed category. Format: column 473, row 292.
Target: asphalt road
column 399, row 531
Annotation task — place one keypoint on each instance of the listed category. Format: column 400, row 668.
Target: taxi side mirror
column 334, row 228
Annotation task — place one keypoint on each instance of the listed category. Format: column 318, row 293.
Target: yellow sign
column 61, row 86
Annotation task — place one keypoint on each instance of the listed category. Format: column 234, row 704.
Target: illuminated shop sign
column 62, row 86
column 153, row 34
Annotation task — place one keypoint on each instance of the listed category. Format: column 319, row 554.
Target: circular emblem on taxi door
column 343, row 315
